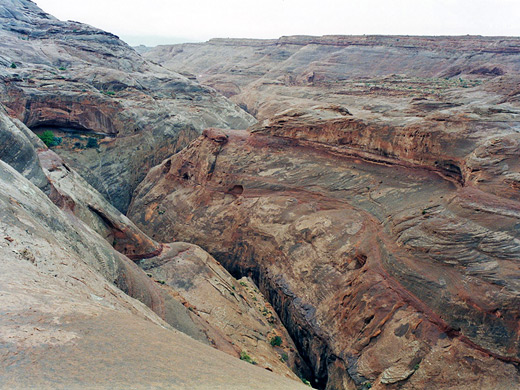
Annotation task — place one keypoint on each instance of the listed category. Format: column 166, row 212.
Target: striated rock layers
column 387, row 268
column 376, row 202
column 384, row 78
column 70, row 76
column 375, row 205
column 64, row 325
column 68, row 319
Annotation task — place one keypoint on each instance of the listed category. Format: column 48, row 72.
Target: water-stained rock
column 70, row 77
column 374, row 267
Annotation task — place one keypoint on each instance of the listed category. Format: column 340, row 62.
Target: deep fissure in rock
column 292, row 311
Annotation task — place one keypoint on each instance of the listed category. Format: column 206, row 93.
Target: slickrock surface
column 64, row 326
column 236, row 309
column 380, row 184
column 393, row 79
column 70, row 75
column 69, row 236
column 382, row 271
column 376, row 203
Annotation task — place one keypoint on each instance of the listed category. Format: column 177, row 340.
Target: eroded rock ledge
column 382, row 273
column 65, row 289
column 68, row 75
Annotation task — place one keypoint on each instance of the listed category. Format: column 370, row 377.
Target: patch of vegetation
column 367, row 385
column 92, row 142
column 109, row 93
column 13, row 65
column 245, row 357
column 49, row 139
column 243, row 284
column 62, row 68
column 276, row 341
column 305, row 381
column 284, row 357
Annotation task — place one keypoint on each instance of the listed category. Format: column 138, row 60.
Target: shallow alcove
column 236, row 190
column 71, row 136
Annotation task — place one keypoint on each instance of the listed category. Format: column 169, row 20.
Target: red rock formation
column 384, row 270
column 57, row 255
column 376, row 205
column 68, row 75
column 65, row 324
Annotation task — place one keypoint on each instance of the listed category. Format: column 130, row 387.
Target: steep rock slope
column 376, row 203
column 70, row 76
column 382, row 272
column 234, row 325
column 64, row 326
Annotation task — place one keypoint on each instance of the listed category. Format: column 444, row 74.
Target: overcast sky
column 171, row 21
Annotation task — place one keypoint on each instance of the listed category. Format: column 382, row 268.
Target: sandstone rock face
column 381, row 182
column 375, row 205
column 67, row 75
column 73, row 194
column 384, row 270
column 64, row 326
column 374, row 77
column 18, row 151
column 235, row 308
column 26, row 208
column 84, row 212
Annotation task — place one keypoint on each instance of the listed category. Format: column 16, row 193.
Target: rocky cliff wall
column 68, row 75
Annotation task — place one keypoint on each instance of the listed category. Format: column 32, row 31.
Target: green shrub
column 245, row 357
column 92, row 142
column 62, row 68
column 276, row 341
column 13, row 65
column 47, row 137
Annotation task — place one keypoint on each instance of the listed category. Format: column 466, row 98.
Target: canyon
column 341, row 211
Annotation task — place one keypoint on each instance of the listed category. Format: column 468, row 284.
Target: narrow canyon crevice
column 296, row 315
